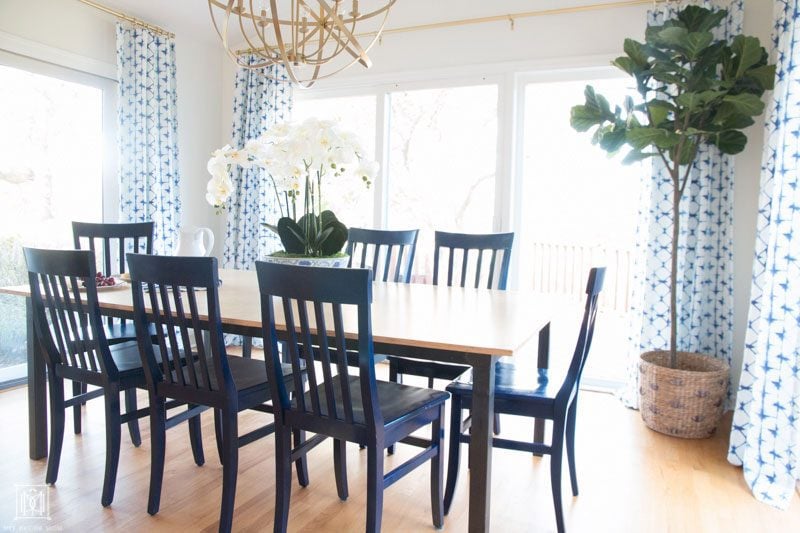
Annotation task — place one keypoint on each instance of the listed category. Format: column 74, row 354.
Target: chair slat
column 294, row 353
column 183, row 330
column 341, row 363
column 202, row 355
column 308, row 353
column 324, row 355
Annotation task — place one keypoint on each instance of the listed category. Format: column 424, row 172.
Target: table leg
column 542, row 362
column 480, row 448
column 37, row 391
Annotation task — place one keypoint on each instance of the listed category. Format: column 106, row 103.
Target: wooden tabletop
column 475, row 321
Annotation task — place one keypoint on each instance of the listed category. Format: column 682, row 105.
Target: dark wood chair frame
column 538, row 403
column 335, row 401
column 111, row 241
column 389, row 248
column 167, row 292
column 67, row 319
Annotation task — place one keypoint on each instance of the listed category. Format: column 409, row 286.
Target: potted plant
column 695, row 90
column 298, row 158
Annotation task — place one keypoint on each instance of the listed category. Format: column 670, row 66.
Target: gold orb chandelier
column 313, row 39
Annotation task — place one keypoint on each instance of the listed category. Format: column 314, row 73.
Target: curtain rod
column 510, row 17
column 128, row 18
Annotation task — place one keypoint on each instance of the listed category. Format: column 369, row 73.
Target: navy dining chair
column 67, row 321
column 110, row 242
column 521, row 393
column 178, row 296
column 313, row 303
column 389, row 253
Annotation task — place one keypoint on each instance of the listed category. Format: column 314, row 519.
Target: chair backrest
column 66, row 314
column 114, row 241
column 175, row 294
column 492, row 253
column 572, row 381
column 314, row 302
column 392, row 252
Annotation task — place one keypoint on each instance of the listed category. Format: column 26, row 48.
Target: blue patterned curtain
column 148, row 133
column 765, row 437
column 262, row 97
column 705, row 253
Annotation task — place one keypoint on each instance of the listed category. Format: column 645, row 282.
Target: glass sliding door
column 578, row 209
column 51, row 172
column 442, row 147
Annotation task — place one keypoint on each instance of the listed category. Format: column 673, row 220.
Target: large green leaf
column 729, row 141
column 696, row 43
column 700, row 19
column 636, row 52
column 746, row 104
column 637, row 155
column 764, row 75
column 625, row 64
column 612, row 140
column 641, row 138
column 694, row 100
column 674, row 37
column 747, row 53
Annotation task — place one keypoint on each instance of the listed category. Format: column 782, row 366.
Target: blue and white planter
column 328, row 262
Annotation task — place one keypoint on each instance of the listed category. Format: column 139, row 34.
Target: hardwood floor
column 631, row 479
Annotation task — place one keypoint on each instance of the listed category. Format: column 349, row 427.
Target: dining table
column 468, row 326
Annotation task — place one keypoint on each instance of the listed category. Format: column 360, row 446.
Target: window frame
column 44, row 60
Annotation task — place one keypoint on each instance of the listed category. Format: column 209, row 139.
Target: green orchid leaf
column 292, row 236
column 333, row 241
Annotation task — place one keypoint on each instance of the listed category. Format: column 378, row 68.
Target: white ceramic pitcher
column 195, row 242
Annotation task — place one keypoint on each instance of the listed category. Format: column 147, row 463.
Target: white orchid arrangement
column 296, row 157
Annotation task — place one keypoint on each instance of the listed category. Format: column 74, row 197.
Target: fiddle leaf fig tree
column 695, row 90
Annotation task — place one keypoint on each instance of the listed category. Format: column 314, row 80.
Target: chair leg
column 555, row 471
column 571, row 415
column 196, row 439
column 218, row 433
column 454, row 451
column 394, row 377
column 437, row 470
column 374, row 488
column 496, row 428
column 247, row 347
column 57, row 416
column 283, row 478
column 340, row 467
column 77, row 387
column 133, row 425
column 113, row 437
column 230, row 469
column 301, row 465
column 158, row 443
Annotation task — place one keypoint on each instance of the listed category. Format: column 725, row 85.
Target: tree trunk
column 673, row 297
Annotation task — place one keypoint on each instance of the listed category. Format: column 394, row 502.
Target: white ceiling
column 192, row 16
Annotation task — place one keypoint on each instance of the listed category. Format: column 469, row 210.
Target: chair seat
column 119, row 332
column 396, row 401
column 249, row 377
column 511, row 382
column 127, row 358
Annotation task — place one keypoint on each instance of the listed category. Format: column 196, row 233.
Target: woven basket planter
column 686, row 401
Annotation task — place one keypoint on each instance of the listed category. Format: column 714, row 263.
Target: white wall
column 553, row 41
column 85, row 32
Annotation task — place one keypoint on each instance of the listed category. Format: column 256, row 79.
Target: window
column 442, row 164
column 570, row 205
column 352, row 202
column 52, row 171
column 579, row 209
